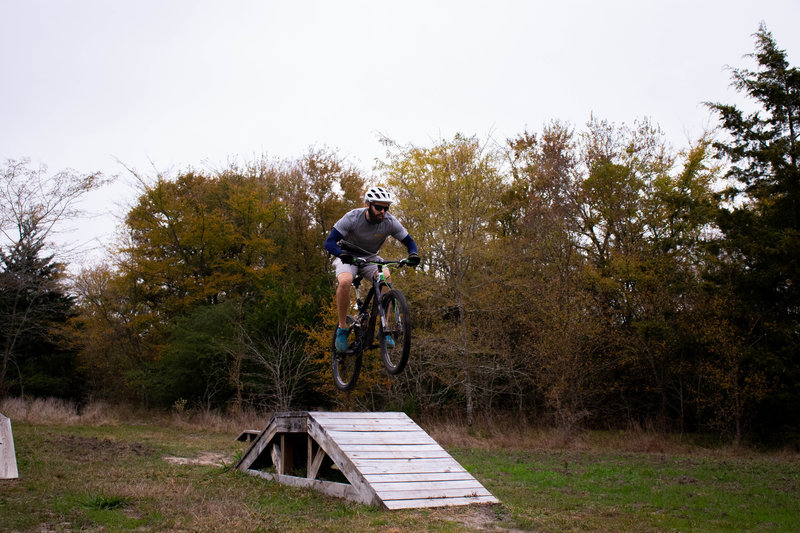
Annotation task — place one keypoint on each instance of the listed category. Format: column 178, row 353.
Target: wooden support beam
column 315, row 463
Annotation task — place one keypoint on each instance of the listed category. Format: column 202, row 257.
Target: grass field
column 104, row 471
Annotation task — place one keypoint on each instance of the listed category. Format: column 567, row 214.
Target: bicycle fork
column 379, row 302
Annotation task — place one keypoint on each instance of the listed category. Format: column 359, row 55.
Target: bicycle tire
column 346, row 366
column 398, row 326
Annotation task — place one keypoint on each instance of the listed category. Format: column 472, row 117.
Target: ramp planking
column 385, row 458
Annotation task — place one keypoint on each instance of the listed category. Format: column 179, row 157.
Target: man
column 361, row 233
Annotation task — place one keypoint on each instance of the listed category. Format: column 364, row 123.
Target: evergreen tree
column 32, row 301
column 33, row 297
column 761, row 224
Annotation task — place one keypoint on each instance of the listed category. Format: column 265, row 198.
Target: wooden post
column 287, row 456
column 8, row 458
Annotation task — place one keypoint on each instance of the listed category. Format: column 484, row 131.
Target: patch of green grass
column 107, row 503
column 548, row 490
column 110, row 513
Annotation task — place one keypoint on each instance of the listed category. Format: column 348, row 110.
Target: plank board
column 404, row 477
column 411, row 466
column 387, row 487
column 407, row 454
column 358, row 447
column 357, row 415
column 437, row 502
column 371, row 426
column 423, row 491
column 384, row 437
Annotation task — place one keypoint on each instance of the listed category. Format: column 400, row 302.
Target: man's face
column 377, row 210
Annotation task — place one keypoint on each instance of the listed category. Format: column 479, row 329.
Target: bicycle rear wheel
column 346, row 365
column 398, row 328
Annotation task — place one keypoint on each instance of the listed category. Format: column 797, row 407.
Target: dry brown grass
column 53, row 411
column 513, row 433
column 521, row 434
column 40, row 410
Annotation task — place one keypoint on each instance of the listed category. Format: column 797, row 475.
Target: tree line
column 592, row 277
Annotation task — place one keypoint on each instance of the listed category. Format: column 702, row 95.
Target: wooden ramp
column 382, row 459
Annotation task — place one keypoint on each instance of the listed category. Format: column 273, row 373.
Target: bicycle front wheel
column 395, row 337
column 346, row 366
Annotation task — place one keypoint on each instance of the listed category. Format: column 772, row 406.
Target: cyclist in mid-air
column 360, row 233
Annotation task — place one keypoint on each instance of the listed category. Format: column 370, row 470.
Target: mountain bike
column 393, row 328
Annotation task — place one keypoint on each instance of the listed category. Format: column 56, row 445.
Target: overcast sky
column 160, row 84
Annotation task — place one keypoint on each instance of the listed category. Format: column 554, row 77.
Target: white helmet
column 379, row 194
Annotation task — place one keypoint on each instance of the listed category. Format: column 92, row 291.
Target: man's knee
column 345, row 280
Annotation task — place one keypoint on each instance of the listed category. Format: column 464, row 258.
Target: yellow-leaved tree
column 449, row 198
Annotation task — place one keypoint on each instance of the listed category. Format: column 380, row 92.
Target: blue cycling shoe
column 341, row 339
column 389, row 341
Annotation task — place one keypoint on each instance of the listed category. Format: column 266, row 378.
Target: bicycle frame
column 362, row 307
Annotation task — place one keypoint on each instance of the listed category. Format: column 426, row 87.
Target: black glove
column 413, row 260
column 347, row 259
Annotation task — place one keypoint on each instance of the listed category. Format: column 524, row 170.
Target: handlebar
column 399, row 263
